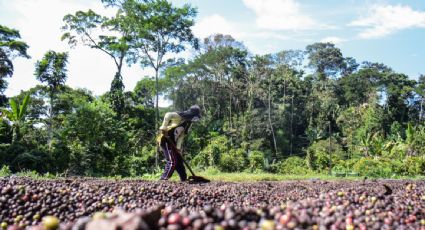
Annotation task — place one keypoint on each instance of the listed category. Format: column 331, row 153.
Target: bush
column 344, row 165
column 413, row 166
column 256, row 161
column 210, row 155
column 142, row 163
column 318, row 154
column 96, row 139
column 212, row 171
column 398, row 150
column 234, row 161
column 419, row 143
column 29, row 173
column 20, row 156
column 293, row 165
column 379, row 167
column 5, row 171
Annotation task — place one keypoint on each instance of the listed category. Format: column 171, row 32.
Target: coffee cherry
column 50, row 222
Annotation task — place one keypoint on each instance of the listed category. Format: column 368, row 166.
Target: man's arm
column 165, row 122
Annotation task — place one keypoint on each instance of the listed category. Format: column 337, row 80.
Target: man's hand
column 164, row 132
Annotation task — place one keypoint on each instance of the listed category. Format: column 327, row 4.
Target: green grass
column 261, row 176
column 210, row 173
column 215, row 175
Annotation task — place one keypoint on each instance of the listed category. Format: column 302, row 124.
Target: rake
column 194, row 178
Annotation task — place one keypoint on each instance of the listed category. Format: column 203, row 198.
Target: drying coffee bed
column 80, row 203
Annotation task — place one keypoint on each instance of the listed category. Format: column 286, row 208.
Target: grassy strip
column 215, row 175
column 252, row 177
column 211, row 174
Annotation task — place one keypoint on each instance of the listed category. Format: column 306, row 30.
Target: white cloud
column 333, row 39
column 383, row 20
column 266, row 35
column 214, row 24
column 87, row 68
column 280, row 15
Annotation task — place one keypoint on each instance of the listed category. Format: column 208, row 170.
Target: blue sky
column 390, row 31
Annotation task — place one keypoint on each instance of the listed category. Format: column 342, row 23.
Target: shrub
column 397, row 150
column 345, row 165
column 212, row 171
column 419, row 143
column 375, row 167
column 210, row 155
column 234, row 161
column 95, row 139
column 256, row 161
column 318, row 154
column 293, row 165
column 5, row 171
column 395, row 164
column 29, row 173
column 414, row 166
column 142, row 163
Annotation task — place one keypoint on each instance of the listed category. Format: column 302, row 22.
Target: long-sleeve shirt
column 171, row 121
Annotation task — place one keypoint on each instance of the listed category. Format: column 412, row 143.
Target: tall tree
column 10, row 47
column 356, row 88
column 144, row 92
column 104, row 34
column 325, row 58
column 156, row 28
column 52, row 70
column 264, row 74
column 398, row 90
column 215, row 79
column 288, row 96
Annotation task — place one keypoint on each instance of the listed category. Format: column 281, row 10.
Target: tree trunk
column 421, row 110
column 204, row 109
column 292, row 124
column 230, row 120
column 270, row 122
column 249, row 113
column 330, row 147
column 173, row 92
column 156, row 109
column 50, row 128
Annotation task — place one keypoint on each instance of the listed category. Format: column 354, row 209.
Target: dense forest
column 292, row 112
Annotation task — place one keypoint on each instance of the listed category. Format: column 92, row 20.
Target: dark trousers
column 174, row 162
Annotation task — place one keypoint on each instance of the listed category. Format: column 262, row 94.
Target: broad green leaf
column 24, row 106
column 15, row 109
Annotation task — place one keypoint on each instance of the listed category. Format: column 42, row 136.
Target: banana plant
column 16, row 116
column 378, row 145
column 410, row 139
column 366, row 141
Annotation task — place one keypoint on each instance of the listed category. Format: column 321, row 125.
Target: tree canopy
column 290, row 111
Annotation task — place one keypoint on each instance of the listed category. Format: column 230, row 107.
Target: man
column 172, row 131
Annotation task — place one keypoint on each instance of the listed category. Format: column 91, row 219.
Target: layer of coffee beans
column 135, row 204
